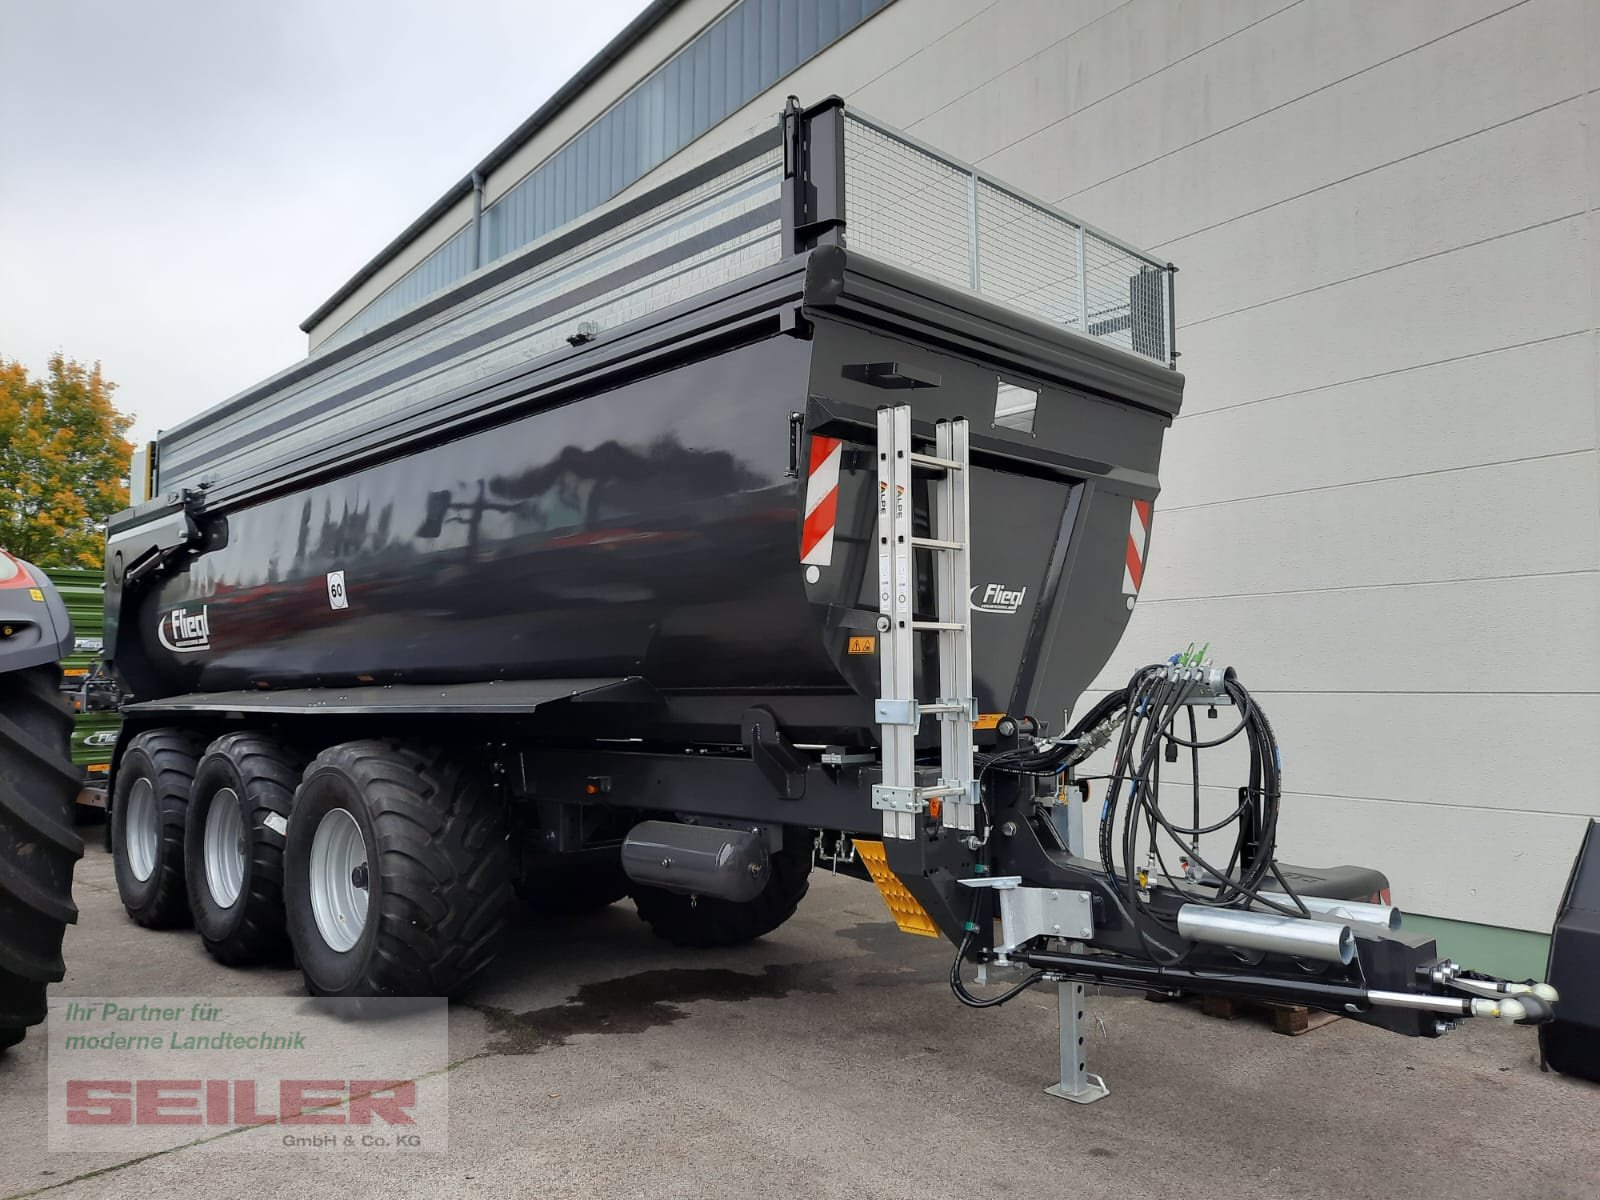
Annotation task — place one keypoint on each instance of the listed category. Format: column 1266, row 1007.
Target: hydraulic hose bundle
column 1185, row 884
column 1143, row 721
column 1151, row 706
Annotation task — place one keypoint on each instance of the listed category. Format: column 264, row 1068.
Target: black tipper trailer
column 579, row 576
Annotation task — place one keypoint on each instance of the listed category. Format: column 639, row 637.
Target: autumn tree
column 63, row 462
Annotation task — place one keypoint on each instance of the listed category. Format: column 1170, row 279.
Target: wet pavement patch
column 875, row 937
column 886, row 947
column 634, row 1003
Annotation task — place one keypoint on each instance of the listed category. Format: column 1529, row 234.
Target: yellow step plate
column 903, row 906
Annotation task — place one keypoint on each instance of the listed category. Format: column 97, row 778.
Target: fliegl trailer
column 84, row 682
column 793, row 501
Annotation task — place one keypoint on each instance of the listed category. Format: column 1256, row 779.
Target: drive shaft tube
column 1241, row 930
column 1384, row 915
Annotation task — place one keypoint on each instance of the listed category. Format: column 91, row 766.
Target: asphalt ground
column 830, row 1060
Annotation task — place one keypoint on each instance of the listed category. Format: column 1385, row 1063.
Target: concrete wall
column 1381, row 502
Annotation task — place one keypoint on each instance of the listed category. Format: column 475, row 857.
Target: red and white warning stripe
column 1138, row 546
column 822, row 501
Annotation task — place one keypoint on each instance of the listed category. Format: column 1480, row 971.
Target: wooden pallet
column 1289, row 1019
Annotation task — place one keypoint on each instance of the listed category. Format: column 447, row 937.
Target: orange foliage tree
column 63, row 462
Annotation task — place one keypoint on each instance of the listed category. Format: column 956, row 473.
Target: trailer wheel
column 233, row 847
column 38, row 786
column 149, row 812
column 397, row 872
column 705, row 921
column 565, row 891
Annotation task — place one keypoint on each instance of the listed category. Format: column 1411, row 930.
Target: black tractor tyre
column 152, row 790
column 704, row 921
column 243, row 792
column 566, row 891
column 433, row 889
column 38, row 847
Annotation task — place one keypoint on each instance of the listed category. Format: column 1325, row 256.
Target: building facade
column 1381, row 502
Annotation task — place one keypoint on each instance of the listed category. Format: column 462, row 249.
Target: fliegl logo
column 184, row 631
column 998, row 598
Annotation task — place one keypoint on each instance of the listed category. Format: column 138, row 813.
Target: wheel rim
column 339, row 879
column 142, row 833
column 224, row 848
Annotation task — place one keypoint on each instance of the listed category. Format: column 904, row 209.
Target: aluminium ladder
column 897, row 711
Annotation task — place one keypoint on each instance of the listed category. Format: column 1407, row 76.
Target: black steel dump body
column 522, row 491
column 595, row 575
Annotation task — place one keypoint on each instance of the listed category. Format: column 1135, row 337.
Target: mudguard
column 34, row 626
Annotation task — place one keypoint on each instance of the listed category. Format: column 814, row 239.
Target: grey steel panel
column 503, row 697
column 718, row 231
column 483, row 282
column 725, row 315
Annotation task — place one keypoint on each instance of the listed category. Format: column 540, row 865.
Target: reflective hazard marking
column 1138, row 546
column 822, row 501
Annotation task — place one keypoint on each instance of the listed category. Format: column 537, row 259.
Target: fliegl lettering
column 997, row 598
column 185, row 630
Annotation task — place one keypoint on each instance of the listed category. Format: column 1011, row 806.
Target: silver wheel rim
column 224, row 848
column 339, row 879
column 142, row 832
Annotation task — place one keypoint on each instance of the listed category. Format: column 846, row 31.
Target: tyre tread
column 445, row 863
column 38, row 847
column 175, row 756
column 269, row 773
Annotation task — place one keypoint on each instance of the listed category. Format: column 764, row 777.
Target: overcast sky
column 182, row 182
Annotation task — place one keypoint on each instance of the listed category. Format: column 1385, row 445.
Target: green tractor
column 88, row 688
column 38, row 787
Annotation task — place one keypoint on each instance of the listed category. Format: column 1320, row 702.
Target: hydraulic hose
column 960, row 988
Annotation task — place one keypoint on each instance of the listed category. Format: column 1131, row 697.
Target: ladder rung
column 949, row 533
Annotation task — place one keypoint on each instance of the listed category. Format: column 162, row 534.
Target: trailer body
column 582, row 575
column 655, row 530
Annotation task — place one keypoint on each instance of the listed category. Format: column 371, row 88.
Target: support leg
column 1077, row 1084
